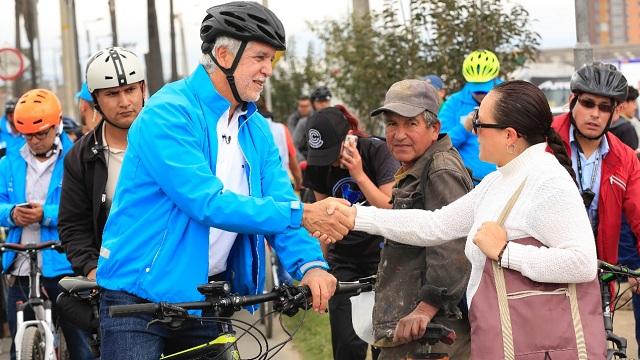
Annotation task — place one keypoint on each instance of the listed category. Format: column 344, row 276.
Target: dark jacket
column 83, row 210
column 442, row 272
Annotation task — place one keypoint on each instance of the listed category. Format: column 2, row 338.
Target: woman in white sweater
column 513, row 126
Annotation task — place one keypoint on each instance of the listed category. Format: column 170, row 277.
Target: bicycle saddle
column 77, row 284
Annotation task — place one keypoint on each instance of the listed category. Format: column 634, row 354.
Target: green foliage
column 293, row 77
column 363, row 57
column 313, row 340
column 460, row 27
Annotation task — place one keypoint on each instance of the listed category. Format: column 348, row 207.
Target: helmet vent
column 235, row 26
column 232, row 15
column 37, row 101
column 37, row 121
column 131, row 73
column 259, row 19
column 108, row 77
column 265, row 31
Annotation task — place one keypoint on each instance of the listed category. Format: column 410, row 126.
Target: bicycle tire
column 62, row 350
column 32, row 344
column 268, row 306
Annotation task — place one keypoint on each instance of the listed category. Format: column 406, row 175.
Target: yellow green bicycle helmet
column 480, row 66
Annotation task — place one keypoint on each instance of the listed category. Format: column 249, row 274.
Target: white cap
column 113, row 67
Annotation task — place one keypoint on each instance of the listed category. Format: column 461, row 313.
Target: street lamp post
column 582, row 53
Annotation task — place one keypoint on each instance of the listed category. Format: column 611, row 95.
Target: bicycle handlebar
column 47, row 245
column 295, row 295
column 611, row 270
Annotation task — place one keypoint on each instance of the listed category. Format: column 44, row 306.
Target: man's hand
column 633, row 284
column 490, row 238
column 322, row 285
column 468, row 121
column 413, row 326
column 23, row 216
column 92, row 274
column 348, row 212
column 322, row 217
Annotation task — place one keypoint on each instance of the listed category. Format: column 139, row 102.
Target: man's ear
column 224, row 57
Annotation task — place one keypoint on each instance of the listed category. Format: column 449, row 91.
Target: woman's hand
column 491, row 239
column 351, row 160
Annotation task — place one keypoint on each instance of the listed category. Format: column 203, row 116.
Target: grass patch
column 313, row 340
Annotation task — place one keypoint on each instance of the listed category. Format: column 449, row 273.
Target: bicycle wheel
column 268, row 306
column 32, row 344
column 62, row 351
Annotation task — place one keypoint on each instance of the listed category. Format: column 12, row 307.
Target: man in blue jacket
column 30, row 186
column 200, row 182
column 480, row 69
column 10, row 138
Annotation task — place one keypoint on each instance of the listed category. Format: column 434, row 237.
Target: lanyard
column 594, row 174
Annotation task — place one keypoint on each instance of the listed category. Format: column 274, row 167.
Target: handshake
column 329, row 220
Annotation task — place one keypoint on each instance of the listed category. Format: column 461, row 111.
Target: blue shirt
column 591, row 171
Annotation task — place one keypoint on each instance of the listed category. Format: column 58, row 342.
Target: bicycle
column 287, row 299
column 608, row 273
column 78, row 305
column 271, row 280
column 39, row 338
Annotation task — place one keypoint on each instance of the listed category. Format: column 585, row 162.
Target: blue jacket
column 8, row 141
column 454, row 110
column 156, row 240
column 13, row 177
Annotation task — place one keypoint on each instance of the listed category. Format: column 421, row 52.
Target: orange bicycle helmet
column 37, row 110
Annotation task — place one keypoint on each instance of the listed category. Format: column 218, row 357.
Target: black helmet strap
column 228, row 72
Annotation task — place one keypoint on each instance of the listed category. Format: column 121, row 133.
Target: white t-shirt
column 230, row 169
column 114, row 158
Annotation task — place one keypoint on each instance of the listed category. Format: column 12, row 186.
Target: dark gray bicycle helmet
column 600, row 79
column 10, row 106
column 241, row 20
column 321, row 93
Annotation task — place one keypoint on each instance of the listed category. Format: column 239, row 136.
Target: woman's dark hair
column 523, row 106
column 353, row 121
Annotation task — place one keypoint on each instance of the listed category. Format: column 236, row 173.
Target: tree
column 366, row 55
column 293, row 77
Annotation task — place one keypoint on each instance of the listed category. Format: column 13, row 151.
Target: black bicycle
column 608, row 274
column 219, row 301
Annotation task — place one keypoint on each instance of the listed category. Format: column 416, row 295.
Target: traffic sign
column 12, row 63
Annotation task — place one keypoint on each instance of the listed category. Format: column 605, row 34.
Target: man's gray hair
column 231, row 44
column 430, row 118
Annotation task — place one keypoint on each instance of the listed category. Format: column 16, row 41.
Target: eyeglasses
column 590, row 104
column 476, row 124
column 39, row 135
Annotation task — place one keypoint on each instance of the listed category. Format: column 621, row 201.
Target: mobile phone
column 349, row 139
column 24, row 205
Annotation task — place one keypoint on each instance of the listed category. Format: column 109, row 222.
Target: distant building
column 614, row 22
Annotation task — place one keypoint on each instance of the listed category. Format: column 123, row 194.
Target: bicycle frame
column 41, row 309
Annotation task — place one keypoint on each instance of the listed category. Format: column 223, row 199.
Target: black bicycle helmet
column 241, row 20
column 600, row 79
column 10, row 106
column 321, row 93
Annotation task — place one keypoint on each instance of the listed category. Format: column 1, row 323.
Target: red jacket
column 619, row 191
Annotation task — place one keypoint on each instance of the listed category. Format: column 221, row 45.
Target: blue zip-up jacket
column 156, row 240
column 13, row 178
column 452, row 113
column 9, row 142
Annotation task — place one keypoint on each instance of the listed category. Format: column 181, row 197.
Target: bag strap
column 501, row 287
column 503, row 305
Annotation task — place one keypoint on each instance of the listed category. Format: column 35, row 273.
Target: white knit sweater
column 549, row 209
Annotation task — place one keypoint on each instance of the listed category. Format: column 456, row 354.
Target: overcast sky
column 553, row 20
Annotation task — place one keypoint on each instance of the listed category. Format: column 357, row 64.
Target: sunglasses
column 39, row 135
column 476, row 124
column 590, row 104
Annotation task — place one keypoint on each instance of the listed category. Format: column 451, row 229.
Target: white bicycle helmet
column 113, row 67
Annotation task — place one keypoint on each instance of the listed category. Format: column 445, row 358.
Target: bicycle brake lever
column 172, row 316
